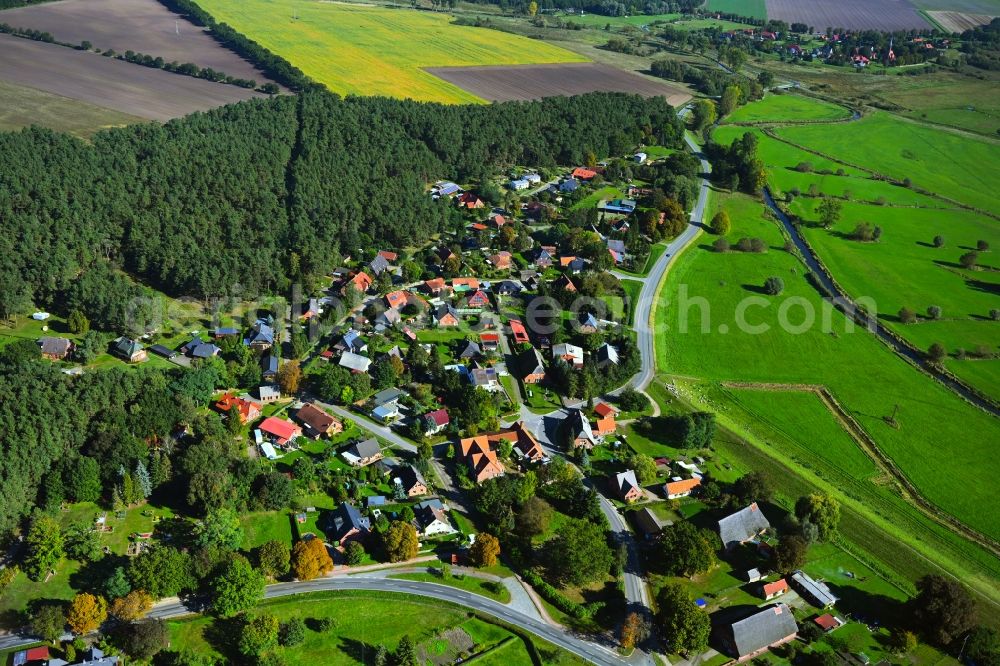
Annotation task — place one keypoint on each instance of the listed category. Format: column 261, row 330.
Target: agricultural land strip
column 958, row 21
column 367, row 50
column 522, row 82
column 143, row 26
column 851, row 14
column 24, row 106
column 153, row 94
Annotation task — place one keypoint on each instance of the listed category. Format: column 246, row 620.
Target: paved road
column 591, row 652
column 372, row 427
column 643, row 324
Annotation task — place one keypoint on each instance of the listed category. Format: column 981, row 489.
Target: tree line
column 267, row 192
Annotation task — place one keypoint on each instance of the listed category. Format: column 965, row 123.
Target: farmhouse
column 648, row 523
column 519, row 184
column 606, row 426
column 618, row 206
column 55, row 349
column 349, row 524
column 581, row 173
column 261, row 336
column 470, row 201
column 445, row 316
column 361, row 283
column 742, row 526
column 364, row 453
column 581, row 431
column 435, row 286
column 480, row 455
column 627, row 486
column 606, row 355
column 754, row 635
column 569, row 353
column 317, row 422
column 356, row 363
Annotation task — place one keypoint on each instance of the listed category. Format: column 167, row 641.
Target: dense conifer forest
column 267, row 192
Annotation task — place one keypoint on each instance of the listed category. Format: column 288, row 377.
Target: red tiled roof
column 280, row 428
column 518, row 331
column 682, row 486
column 603, row 409
column 439, row 416
column 583, row 174
column 776, row 587
column 396, row 299
column 827, row 622
column 388, row 256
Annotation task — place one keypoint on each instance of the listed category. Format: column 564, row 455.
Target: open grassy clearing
column 954, row 477
column 363, row 620
column 599, row 21
column 486, row 588
column 955, row 166
column 24, row 106
column 777, row 108
column 366, row 50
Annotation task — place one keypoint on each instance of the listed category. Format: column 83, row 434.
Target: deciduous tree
column 310, row 559
column 943, row 609
column 237, row 587
column 400, row 541
column 685, row 627
column 273, row 558
column 86, row 613
column 485, row 551
column 132, row 606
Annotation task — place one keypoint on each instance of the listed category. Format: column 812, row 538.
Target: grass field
column 362, row 622
column 955, row 477
column 903, row 269
column 955, row 166
column 752, row 8
column 365, row 50
column 24, row 106
column 776, row 108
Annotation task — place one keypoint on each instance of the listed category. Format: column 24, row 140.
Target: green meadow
column 786, row 107
column 903, row 269
column 863, row 375
column 752, row 8
column 947, row 163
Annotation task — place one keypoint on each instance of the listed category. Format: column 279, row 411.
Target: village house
column 582, row 173
column 445, row 316
column 604, row 410
column 312, row 309
column 128, row 350
column 754, row 635
column 317, row 422
column 55, row 349
column 587, row 324
column 569, row 186
column 378, row 265
column 351, row 341
column 485, row 378
column 432, row 519
column 348, row 524
column 648, row 523
column 776, row 589
column 519, row 332
column 435, row 287
column 828, row 622
column 460, row 285
column 606, row 355
column 477, row 300
column 563, row 283
column 489, row 342
column 678, row 487
column 435, row 422
column 363, row 453
column 569, row 353
column 445, row 188
column 742, row 526
column 281, row 431
column 502, row 261
column 356, row 363
column 480, row 456
column 269, row 367
column 396, row 299
column 246, row 410
column 605, row 427
column 268, row 393
column 388, row 255
column 261, row 336
column 543, row 258
column 470, row 201
column 361, row 283
column 627, row 487
column 410, row 480
column 530, row 366
column 580, row 430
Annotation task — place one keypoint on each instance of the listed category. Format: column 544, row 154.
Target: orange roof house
column 604, row 410
column 480, row 451
column 775, row 589
column 502, row 260
column 362, row 282
column 498, row 220
column 478, row 299
column 606, row 426
column 465, row 283
column 435, row 286
column 583, row 174
column 565, row 284
column 470, row 201
column 566, row 261
column 396, row 299
column 388, row 256
column 678, row 487
column 248, row 410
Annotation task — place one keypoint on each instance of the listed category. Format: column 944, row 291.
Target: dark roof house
column 766, row 628
column 742, row 526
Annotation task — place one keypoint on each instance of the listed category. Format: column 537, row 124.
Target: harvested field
column 149, row 93
column 143, row 26
column 23, row 106
column 522, row 82
column 959, row 21
column 850, row 14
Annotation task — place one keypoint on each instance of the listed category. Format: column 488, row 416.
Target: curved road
column 590, row 652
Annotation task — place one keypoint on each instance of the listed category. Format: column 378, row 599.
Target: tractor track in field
column 883, row 462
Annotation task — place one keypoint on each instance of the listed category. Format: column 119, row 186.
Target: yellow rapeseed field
column 368, row 50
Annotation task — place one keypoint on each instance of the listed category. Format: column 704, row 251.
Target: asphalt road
column 372, row 427
column 589, row 651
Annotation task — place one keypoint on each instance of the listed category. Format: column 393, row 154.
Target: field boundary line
column 769, row 131
column 882, row 461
